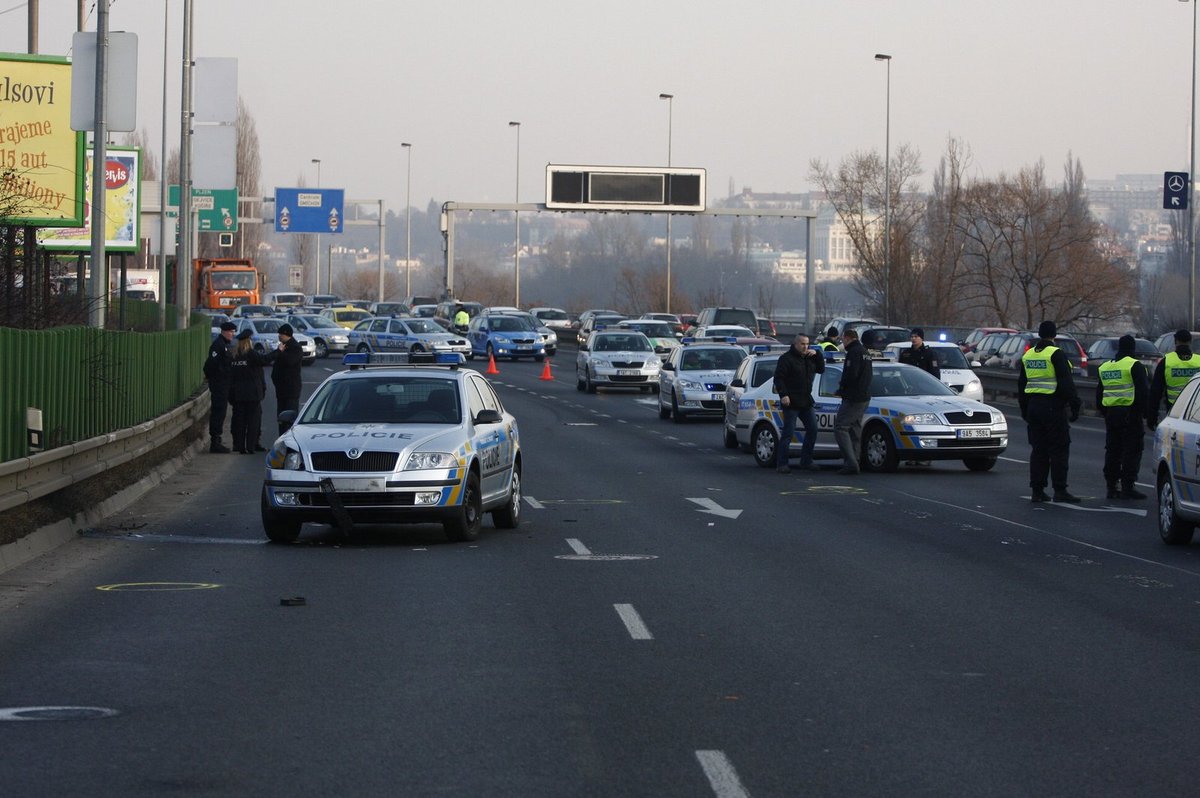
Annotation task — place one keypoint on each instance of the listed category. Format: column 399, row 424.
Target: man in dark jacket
column 218, row 369
column 1171, row 374
column 287, row 362
column 920, row 354
column 1121, row 396
column 855, row 391
column 247, row 388
column 1046, row 393
column 793, row 382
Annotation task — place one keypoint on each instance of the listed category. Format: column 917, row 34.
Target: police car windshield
column 267, row 325
column 510, row 324
column 320, row 323
column 902, row 381
column 654, row 329
column 423, row 326
column 384, row 399
column 725, row 358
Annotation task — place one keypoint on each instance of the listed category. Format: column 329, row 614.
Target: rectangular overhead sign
column 625, row 188
column 216, row 209
column 309, row 210
column 41, row 158
column 1175, row 191
column 122, row 202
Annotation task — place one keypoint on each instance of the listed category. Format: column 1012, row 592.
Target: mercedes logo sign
column 1175, row 183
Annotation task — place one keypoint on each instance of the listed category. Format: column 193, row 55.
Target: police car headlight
column 420, row 461
column 689, row 385
column 998, row 420
column 600, row 361
column 921, row 418
column 281, row 456
column 973, row 385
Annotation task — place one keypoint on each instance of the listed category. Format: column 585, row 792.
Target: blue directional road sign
column 309, row 210
column 1175, row 191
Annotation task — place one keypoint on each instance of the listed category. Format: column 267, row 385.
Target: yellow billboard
column 41, row 158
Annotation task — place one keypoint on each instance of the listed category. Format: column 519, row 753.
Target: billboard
column 123, row 200
column 216, row 209
column 41, row 157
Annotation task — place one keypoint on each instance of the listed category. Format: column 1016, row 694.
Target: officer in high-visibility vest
column 1171, row 374
column 1121, row 396
column 829, row 343
column 1046, row 392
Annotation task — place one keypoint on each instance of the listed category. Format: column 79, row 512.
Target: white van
column 285, row 299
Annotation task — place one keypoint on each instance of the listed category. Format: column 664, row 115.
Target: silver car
column 394, row 440
column 694, row 379
column 616, row 359
column 264, row 334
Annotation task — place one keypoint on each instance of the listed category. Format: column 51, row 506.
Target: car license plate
column 717, row 397
column 358, row 485
column 524, row 348
column 627, row 372
column 975, row 433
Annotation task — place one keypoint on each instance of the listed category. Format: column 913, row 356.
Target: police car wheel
column 664, row 412
column 578, row 382
column 1173, row 530
column 979, row 463
column 588, row 385
column 279, row 530
column 364, row 348
column 322, row 349
column 676, row 416
column 464, row 526
column 509, row 516
column 416, row 349
column 764, row 440
column 878, row 450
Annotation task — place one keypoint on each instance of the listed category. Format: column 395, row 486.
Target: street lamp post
column 408, row 224
column 887, row 194
column 1191, row 210
column 670, row 98
column 317, row 280
column 517, row 219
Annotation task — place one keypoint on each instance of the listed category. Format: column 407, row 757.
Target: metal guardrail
column 28, row 478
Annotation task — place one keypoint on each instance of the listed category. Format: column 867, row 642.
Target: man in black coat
column 287, row 362
column 218, row 368
column 855, row 391
column 1121, row 392
column 920, row 354
column 793, row 382
column 1049, row 403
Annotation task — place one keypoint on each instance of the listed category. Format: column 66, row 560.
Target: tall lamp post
column 670, row 98
column 517, row 219
column 1191, row 211
column 317, row 280
column 408, row 223
column 887, row 194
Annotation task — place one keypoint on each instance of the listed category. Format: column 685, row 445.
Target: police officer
column 461, row 318
column 218, row 370
column 287, row 362
column 1121, row 397
column 247, row 387
column 830, row 342
column 1046, row 392
column 1171, row 374
column 921, row 355
column 793, row 382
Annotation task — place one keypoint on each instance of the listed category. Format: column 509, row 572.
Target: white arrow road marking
column 1108, row 509
column 721, row 775
column 578, row 547
column 633, row 622
column 712, row 508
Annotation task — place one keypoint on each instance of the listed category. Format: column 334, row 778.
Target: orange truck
column 225, row 283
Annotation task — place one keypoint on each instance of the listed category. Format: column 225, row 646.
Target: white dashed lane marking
column 721, row 775
column 633, row 622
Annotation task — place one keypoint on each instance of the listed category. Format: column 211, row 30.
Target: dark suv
column 743, row 316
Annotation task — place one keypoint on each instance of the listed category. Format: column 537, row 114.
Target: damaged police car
column 396, row 439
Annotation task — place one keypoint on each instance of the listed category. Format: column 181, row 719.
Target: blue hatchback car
column 504, row 336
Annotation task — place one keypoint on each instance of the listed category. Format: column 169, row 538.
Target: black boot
column 1113, row 493
column 1039, row 495
column 216, row 448
column 1131, row 492
column 1062, row 497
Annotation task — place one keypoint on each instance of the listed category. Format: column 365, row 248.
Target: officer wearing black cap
column 1121, row 396
column 287, row 361
column 920, row 354
column 1171, row 374
column 246, row 391
column 1046, row 393
column 218, row 369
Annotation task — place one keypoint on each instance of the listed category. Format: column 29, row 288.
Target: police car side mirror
column 488, row 416
column 668, row 366
column 976, row 364
column 738, row 383
column 286, row 419
column 583, row 347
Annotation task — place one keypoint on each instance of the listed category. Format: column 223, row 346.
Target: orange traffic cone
column 546, row 375
column 491, row 369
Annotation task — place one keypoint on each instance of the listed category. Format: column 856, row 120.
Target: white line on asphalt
column 534, row 503
column 578, row 547
column 1012, row 460
column 622, row 421
column 633, row 622
column 721, row 775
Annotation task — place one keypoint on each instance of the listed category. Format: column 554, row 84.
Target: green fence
column 88, row 382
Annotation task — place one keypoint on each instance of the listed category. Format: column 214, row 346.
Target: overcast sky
column 760, row 87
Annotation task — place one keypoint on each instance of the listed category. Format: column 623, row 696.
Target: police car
column 396, row 439
column 616, row 358
column 264, row 335
column 1177, row 467
column 910, row 413
column 694, row 378
column 405, row 335
column 953, row 366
